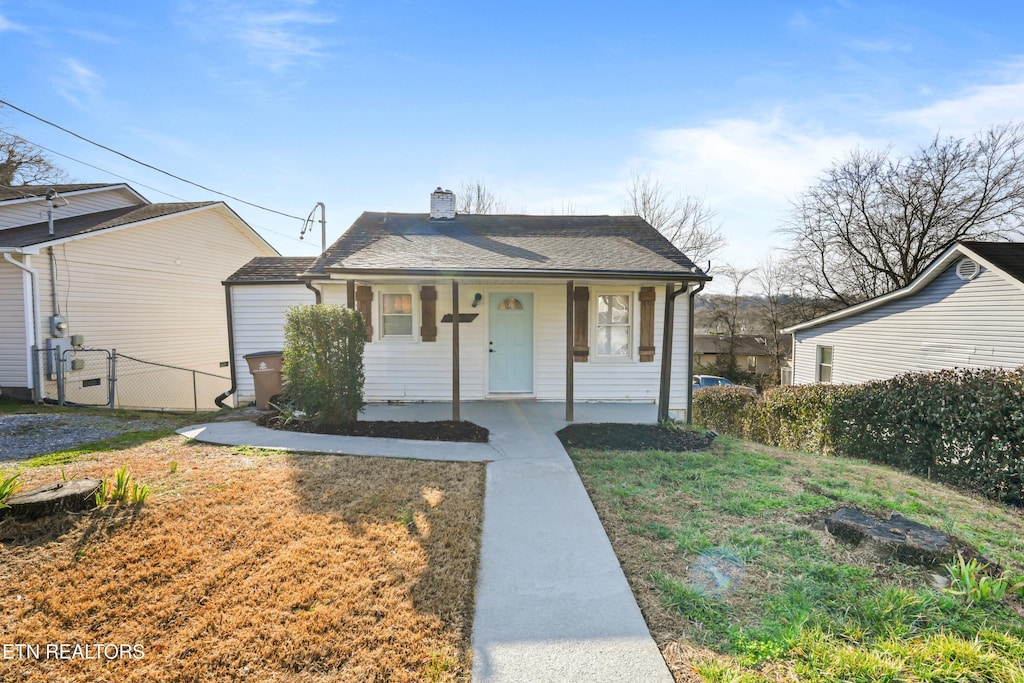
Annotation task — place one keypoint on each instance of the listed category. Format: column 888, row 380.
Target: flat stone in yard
column 905, row 539
column 71, row 496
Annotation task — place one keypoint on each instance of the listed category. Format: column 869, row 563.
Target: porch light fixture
column 476, row 299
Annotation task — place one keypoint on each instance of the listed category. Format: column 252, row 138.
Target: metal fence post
column 111, row 375
column 37, row 389
column 195, row 394
column 58, row 367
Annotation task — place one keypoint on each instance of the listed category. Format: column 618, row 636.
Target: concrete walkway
column 552, row 603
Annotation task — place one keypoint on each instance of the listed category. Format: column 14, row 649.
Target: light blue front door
column 510, row 344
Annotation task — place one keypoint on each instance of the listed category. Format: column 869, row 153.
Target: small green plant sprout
column 969, row 580
column 7, row 489
column 172, row 466
column 121, row 489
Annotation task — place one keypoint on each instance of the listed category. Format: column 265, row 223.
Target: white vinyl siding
column 15, row 335
column 34, row 211
column 422, row 371
column 153, row 292
column 949, row 323
column 258, row 316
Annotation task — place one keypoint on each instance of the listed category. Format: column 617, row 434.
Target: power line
column 102, row 170
column 135, row 182
column 142, row 163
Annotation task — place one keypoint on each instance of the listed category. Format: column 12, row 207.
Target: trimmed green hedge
column 323, row 362
column 963, row 427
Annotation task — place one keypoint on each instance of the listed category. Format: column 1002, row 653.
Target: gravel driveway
column 25, row 436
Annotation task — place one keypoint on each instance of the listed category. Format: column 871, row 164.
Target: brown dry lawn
column 250, row 565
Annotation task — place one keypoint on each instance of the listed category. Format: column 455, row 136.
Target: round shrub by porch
column 323, row 362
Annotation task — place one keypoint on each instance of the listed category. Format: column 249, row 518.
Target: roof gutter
column 37, row 332
column 231, row 351
column 668, row 327
column 696, row 276
column 689, row 360
column 316, row 292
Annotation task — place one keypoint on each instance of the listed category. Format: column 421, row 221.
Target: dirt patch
column 441, row 430
column 251, row 565
column 632, row 437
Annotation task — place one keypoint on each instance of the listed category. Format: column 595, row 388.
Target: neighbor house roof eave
column 937, row 266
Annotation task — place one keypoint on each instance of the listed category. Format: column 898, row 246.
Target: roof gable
column 16, row 193
column 470, row 243
column 77, row 226
column 1003, row 258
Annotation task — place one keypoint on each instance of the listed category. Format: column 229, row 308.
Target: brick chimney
column 442, row 204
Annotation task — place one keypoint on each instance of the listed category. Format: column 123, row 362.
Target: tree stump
column 905, row 539
column 64, row 496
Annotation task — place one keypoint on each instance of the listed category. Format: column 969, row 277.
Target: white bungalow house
column 112, row 270
column 479, row 307
column 966, row 310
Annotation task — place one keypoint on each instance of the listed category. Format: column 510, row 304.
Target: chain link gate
column 105, row 378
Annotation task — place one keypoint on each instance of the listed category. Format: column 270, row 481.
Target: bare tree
column 875, row 220
column 22, row 163
column 475, row 197
column 726, row 312
column 686, row 221
column 779, row 304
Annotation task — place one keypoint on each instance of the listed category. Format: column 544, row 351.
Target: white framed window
column 751, row 363
column 614, row 326
column 825, row 364
column 396, row 315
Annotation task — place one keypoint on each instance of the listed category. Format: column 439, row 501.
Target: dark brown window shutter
column 364, row 305
column 646, row 324
column 581, row 328
column 428, row 304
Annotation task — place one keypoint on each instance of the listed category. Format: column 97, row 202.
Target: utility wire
column 102, row 170
column 142, row 163
column 134, row 182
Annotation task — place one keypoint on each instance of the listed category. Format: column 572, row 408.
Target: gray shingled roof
column 380, row 243
column 1008, row 256
column 746, row 344
column 271, row 269
column 25, row 191
column 38, row 233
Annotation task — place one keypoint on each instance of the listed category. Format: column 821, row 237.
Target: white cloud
column 76, row 81
column 878, row 46
column 274, row 34
column 970, row 111
column 8, row 25
column 749, row 170
column 744, row 158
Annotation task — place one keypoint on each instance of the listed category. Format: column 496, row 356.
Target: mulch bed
column 632, row 437
column 442, row 430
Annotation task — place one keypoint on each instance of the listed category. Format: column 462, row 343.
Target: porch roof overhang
column 511, row 274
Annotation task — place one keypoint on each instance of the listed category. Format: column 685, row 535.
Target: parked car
column 704, row 381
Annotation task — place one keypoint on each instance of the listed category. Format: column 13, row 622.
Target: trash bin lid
column 260, row 354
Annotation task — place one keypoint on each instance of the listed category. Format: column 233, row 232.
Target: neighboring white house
column 549, row 307
column 966, row 310
column 259, row 295
column 115, row 271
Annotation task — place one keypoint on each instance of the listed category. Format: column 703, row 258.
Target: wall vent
column 966, row 269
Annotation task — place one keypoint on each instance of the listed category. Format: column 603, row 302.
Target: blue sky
column 370, row 105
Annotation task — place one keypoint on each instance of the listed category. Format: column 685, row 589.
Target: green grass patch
column 116, row 443
column 803, row 601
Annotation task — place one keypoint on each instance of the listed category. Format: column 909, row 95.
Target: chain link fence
column 101, row 377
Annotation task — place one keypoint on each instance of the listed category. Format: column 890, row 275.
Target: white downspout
column 37, row 332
